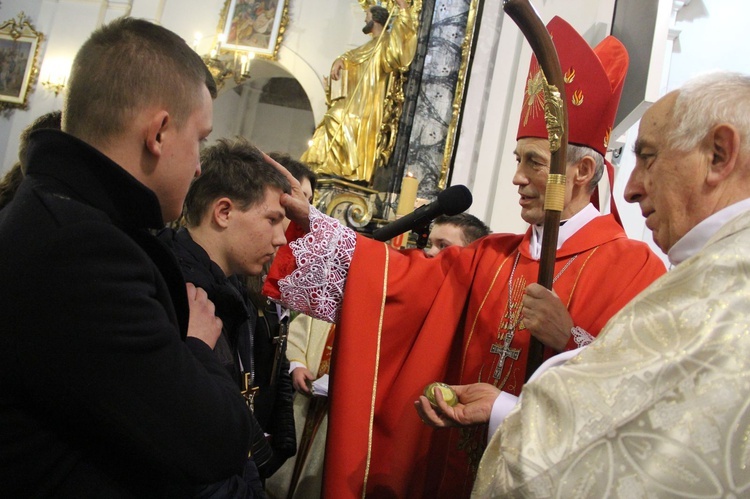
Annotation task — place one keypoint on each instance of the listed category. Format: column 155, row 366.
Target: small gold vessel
column 448, row 394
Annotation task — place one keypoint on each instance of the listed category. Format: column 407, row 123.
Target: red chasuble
column 408, row 321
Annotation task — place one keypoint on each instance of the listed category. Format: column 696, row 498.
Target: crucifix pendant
column 249, row 391
column 504, row 351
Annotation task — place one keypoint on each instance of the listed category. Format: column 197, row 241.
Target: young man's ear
column 723, row 143
column 157, row 123
column 222, row 211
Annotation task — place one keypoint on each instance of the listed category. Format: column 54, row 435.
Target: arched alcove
column 271, row 109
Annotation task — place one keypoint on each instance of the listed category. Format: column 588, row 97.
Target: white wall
column 712, row 36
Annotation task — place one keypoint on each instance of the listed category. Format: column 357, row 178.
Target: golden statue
column 346, row 143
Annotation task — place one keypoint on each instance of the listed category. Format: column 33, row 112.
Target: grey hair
column 706, row 101
column 577, row 153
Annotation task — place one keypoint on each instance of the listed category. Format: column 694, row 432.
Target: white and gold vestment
column 658, row 406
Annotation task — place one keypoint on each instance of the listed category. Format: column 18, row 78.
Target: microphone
column 452, row 201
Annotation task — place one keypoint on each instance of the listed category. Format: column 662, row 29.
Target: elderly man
column 659, row 403
column 407, row 320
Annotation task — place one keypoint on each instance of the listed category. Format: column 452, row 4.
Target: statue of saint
column 345, row 143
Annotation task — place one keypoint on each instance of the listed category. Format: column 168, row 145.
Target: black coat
column 100, row 392
column 249, row 335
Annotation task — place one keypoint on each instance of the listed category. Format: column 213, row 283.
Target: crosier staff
column 556, row 118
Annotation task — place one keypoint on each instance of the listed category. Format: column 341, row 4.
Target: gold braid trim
column 375, row 379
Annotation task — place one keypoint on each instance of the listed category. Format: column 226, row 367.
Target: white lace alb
column 323, row 256
column 581, row 336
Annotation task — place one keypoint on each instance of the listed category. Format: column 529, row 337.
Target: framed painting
column 255, row 26
column 19, row 66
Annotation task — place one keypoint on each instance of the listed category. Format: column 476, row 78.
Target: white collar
column 571, row 226
column 697, row 237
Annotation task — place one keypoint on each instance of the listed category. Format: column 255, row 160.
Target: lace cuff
column 323, row 256
column 581, row 336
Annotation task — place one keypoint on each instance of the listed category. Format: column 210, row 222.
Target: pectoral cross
column 511, row 322
column 504, row 351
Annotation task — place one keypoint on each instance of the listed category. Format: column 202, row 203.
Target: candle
column 408, row 195
column 406, row 199
column 245, row 61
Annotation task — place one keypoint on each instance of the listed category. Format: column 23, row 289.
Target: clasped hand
column 301, row 380
column 338, row 65
column 203, row 323
column 546, row 317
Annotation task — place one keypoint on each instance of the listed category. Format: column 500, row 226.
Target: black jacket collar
column 227, row 293
column 191, row 253
column 92, row 177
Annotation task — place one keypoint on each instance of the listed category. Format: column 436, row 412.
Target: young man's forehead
column 272, row 198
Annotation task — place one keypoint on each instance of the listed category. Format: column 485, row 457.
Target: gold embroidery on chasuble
column 503, row 373
column 472, row 440
column 498, row 365
column 325, row 359
column 384, row 292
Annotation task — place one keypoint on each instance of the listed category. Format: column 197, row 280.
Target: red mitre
column 593, row 86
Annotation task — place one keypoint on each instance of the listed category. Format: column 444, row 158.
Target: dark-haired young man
column 455, row 230
column 13, row 177
column 234, row 224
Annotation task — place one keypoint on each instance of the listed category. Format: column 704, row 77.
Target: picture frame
column 254, row 26
column 19, row 61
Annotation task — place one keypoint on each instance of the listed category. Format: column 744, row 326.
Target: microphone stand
column 423, row 233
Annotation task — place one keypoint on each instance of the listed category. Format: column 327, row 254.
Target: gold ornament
column 449, row 395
